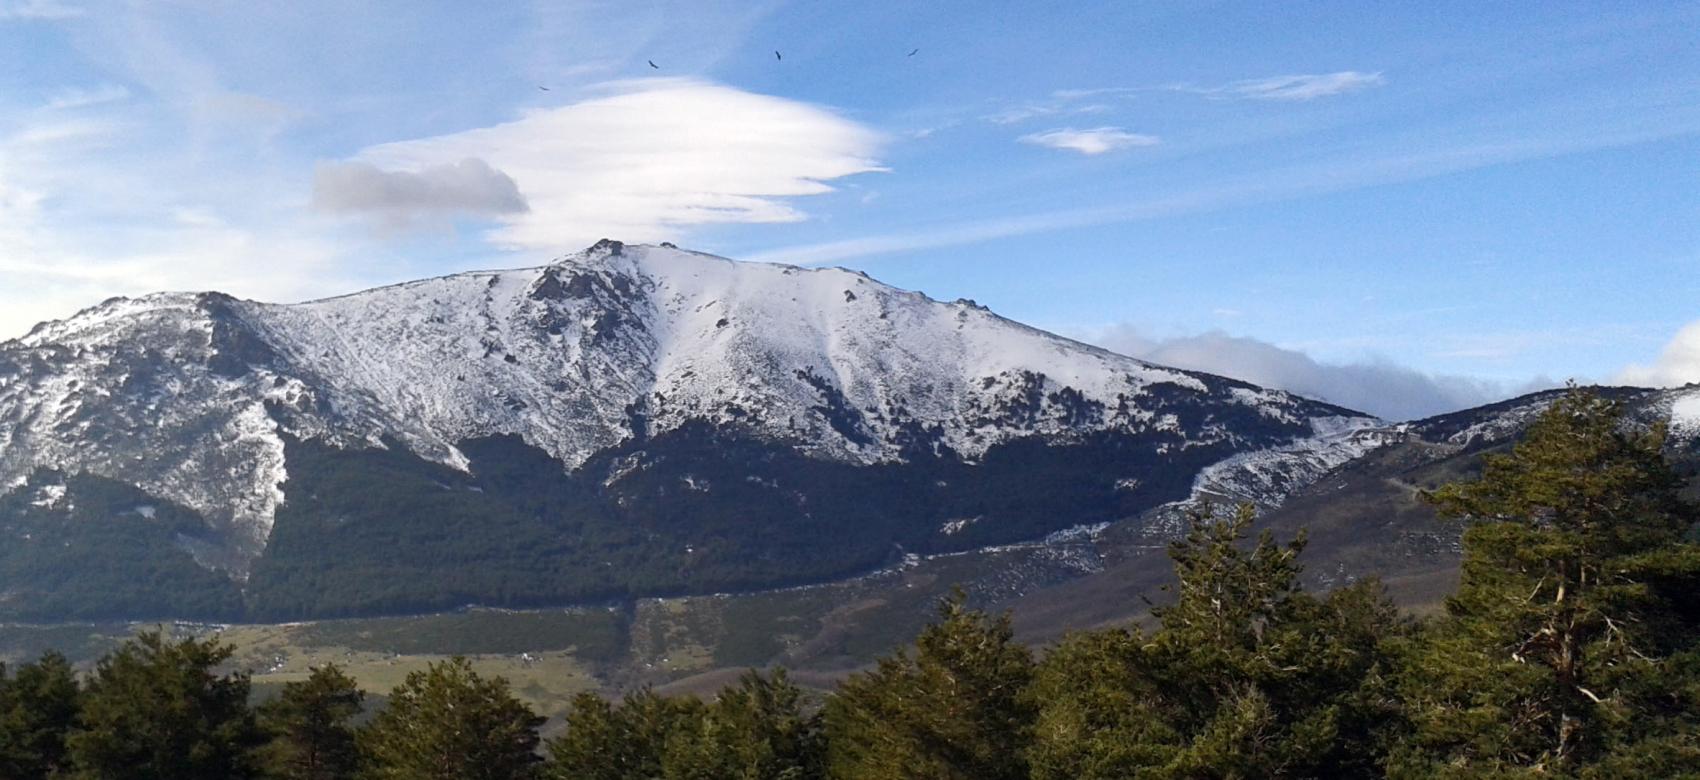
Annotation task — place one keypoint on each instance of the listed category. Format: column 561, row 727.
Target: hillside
column 627, row 421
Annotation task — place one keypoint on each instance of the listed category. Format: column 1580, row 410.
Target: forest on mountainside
column 1571, row 648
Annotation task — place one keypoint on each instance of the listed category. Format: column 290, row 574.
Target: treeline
column 1571, row 649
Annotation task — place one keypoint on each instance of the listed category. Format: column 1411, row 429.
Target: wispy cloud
column 1567, row 133
column 1076, row 94
column 51, row 270
column 1678, row 363
column 976, row 231
column 1021, row 113
column 78, row 97
column 400, row 198
column 1018, row 114
column 651, row 158
column 61, row 131
column 1097, row 140
column 1062, row 102
column 1290, row 88
column 162, row 223
column 38, row 9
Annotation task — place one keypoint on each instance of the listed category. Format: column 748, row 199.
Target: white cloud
column 199, row 180
column 1379, row 387
column 1076, row 94
column 650, row 158
column 1022, row 113
column 83, row 217
column 37, row 136
column 77, row 97
column 38, row 9
column 1294, row 87
column 1017, row 114
column 1567, row 132
column 1062, row 102
column 51, row 273
column 1678, row 364
column 398, row 198
column 1097, row 140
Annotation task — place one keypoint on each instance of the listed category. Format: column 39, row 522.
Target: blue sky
column 1401, row 206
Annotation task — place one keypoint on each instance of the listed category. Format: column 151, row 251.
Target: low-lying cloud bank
column 1678, row 364
column 1382, row 388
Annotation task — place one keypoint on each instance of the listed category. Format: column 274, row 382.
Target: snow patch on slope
column 1685, row 415
column 1266, row 477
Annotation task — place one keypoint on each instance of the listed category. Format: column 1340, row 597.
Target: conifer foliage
column 38, row 707
column 1572, row 642
column 156, row 708
column 449, row 723
column 1245, row 676
column 754, row 730
column 954, row 710
column 605, row 741
column 310, row 724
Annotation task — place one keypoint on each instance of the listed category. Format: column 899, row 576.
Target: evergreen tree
column 755, row 730
column 628, row 741
column 38, row 705
column 1246, row 675
column 594, row 743
column 593, row 747
column 449, row 723
column 952, row 711
column 159, row 710
column 1571, row 644
column 309, row 724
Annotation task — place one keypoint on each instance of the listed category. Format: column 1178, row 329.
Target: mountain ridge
column 624, row 421
column 622, row 334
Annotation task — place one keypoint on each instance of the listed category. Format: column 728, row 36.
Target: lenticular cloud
column 648, row 158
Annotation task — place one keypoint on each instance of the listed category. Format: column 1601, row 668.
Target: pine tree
column 594, row 745
column 449, row 723
column 38, row 705
column 1571, row 644
column 755, row 730
column 310, row 726
column 158, row 709
column 952, row 711
column 1246, row 675
column 628, row 741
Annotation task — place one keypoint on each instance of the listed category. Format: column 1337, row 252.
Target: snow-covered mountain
column 199, row 400
column 626, row 420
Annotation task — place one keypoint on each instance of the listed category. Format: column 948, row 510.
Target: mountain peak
column 196, row 397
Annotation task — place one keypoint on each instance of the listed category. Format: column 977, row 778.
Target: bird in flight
column 912, row 53
column 776, row 55
column 653, row 65
column 545, row 89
